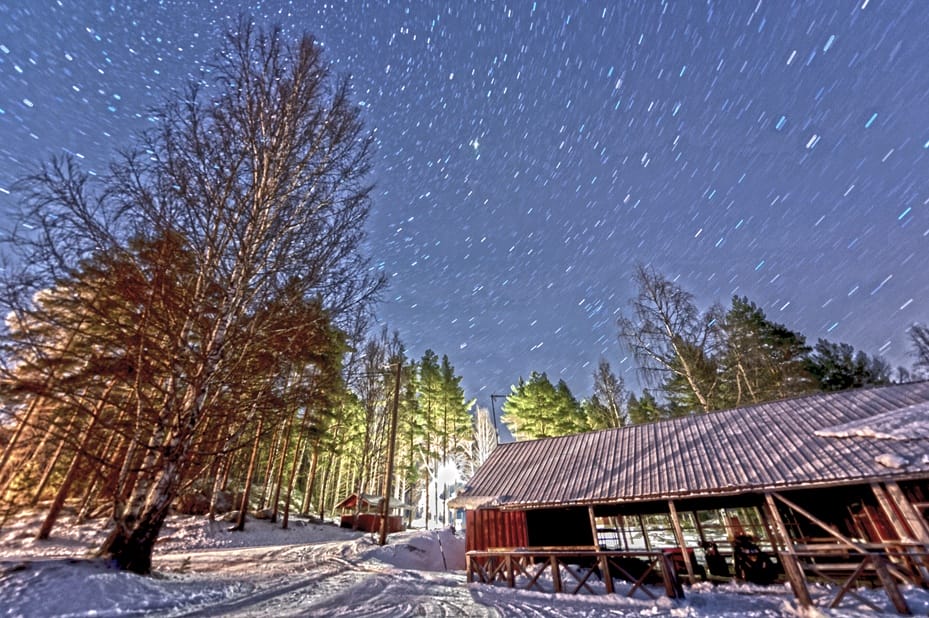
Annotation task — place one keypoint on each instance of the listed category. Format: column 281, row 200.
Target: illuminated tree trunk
column 71, row 475
column 246, row 491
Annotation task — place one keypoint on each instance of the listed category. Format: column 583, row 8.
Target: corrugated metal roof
column 803, row 441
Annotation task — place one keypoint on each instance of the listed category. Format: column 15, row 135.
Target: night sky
column 530, row 154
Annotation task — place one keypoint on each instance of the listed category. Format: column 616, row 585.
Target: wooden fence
column 571, row 570
column 882, row 565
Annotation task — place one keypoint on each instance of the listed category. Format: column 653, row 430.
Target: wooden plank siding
column 491, row 528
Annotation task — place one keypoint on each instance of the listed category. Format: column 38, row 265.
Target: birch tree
column 675, row 344
column 258, row 174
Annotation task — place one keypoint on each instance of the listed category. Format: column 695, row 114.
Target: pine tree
column 837, row 366
column 762, row 360
column 538, row 409
column 645, row 409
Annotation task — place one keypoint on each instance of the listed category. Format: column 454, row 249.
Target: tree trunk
column 269, row 469
column 325, row 486
column 216, row 488
column 311, row 479
column 133, row 551
column 294, row 471
column 71, row 475
column 50, row 466
column 243, row 505
column 285, row 443
column 6, row 476
column 92, row 487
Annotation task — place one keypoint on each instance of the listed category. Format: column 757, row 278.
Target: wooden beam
column 890, row 586
column 900, row 528
column 679, row 534
column 699, row 528
column 908, row 529
column 829, row 529
column 787, row 557
column 648, row 544
column 918, row 526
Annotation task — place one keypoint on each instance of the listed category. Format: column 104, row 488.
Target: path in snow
column 318, row 580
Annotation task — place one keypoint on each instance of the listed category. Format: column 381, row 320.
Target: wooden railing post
column 679, row 534
column 672, row 584
column 787, row 557
column 605, row 572
column 890, row 585
column 556, row 573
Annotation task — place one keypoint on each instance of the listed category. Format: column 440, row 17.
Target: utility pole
column 494, row 412
column 391, row 447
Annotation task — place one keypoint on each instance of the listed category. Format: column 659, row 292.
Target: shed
column 364, row 513
column 823, row 483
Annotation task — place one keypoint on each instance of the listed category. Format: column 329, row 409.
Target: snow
column 909, row 423
column 892, row 461
column 311, row 569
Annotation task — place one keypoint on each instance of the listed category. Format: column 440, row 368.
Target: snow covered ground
column 202, row 569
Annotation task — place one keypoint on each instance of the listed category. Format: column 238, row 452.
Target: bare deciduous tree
column 674, row 343
column 919, row 340
column 256, row 187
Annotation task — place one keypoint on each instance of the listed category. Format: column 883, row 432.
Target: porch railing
column 573, row 570
column 884, row 565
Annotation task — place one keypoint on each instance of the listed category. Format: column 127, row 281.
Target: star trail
column 529, row 154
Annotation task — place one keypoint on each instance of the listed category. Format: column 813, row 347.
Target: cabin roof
column 824, row 439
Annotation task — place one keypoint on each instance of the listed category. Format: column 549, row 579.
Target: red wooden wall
column 486, row 528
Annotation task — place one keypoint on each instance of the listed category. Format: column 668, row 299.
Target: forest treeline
column 695, row 361
column 194, row 327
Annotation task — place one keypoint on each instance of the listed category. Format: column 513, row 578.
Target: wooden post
column 672, row 584
column 648, row 544
column 620, row 523
column 699, row 528
column 769, row 533
column 679, row 535
column 605, row 573
column 890, row 512
column 391, row 448
column 788, row 558
column 602, row 561
column 890, row 585
column 556, row 573
column 918, row 526
column 908, row 529
column 593, row 528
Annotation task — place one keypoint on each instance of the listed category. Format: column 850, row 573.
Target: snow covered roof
column 822, row 439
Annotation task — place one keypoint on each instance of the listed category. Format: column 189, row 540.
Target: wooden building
column 831, row 486
column 365, row 513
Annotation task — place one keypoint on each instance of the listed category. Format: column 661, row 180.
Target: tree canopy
column 219, row 257
column 535, row 408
